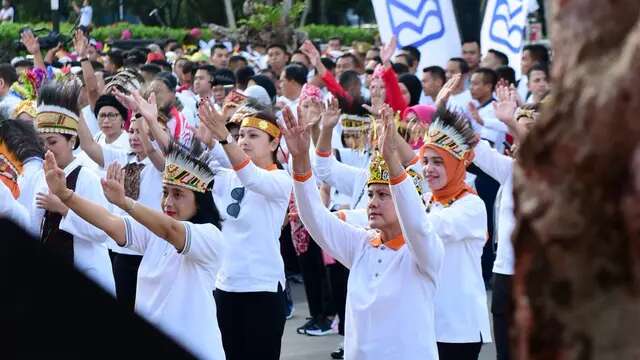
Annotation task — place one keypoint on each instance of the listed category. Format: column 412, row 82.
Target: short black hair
column 243, row 75
column 279, row 46
column 168, row 79
column 413, row 51
column 164, row 65
column 23, row 63
column 538, row 52
column 488, row 76
column 400, row 68
column 116, row 57
column 297, row 73
column 464, row 67
column 504, row 59
column 409, row 58
column 218, row 46
column 349, row 78
column 236, row 58
column 210, row 69
column 8, row 74
column 151, row 68
column 539, row 67
column 472, row 41
column 437, row 72
column 328, row 63
column 335, row 38
column 224, row 77
column 507, row 73
column 206, row 210
column 298, row 52
column 412, row 83
column 188, row 67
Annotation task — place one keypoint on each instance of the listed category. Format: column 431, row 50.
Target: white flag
column 503, row 29
column 429, row 25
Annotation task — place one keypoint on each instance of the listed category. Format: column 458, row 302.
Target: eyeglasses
column 233, row 209
column 369, row 71
column 110, row 116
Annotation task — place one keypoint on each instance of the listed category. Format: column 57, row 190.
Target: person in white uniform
column 394, row 266
column 63, row 232
column 459, row 218
column 254, row 198
column 182, row 245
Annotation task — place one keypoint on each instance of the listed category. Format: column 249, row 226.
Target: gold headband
column 261, row 124
column 379, row 174
column 176, row 175
column 54, row 122
column 26, row 106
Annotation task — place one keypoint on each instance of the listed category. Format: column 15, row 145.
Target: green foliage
column 270, row 16
column 347, row 34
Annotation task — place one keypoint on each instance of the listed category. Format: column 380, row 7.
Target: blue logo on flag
column 502, row 29
column 428, row 25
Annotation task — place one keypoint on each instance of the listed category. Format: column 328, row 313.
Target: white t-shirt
column 6, row 15
column 175, row 290
column 8, row 105
column 86, row 13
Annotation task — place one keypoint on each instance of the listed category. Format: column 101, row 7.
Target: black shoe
column 303, row 329
column 338, row 354
column 321, row 327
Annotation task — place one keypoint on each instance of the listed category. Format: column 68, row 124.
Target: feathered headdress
column 126, row 81
column 58, row 107
column 452, row 132
column 188, row 167
column 27, row 87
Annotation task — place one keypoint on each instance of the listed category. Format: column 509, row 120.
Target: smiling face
column 434, row 170
column 178, row 202
column 257, row 145
column 381, row 211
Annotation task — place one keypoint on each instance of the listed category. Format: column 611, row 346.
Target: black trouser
column 251, row 323
column 459, row 351
column 125, row 274
column 315, row 276
column 501, row 308
column 338, row 277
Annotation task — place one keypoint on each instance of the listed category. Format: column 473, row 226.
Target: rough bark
column 577, row 199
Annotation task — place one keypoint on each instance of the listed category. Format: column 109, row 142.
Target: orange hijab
column 456, row 171
column 11, row 185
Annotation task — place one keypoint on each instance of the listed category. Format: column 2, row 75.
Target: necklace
column 449, row 203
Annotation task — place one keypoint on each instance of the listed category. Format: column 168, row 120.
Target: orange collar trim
column 395, row 243
column 271, row 167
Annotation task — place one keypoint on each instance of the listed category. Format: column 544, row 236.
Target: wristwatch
column 228, row 140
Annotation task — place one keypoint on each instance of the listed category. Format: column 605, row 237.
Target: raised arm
column 33, row 47
column 425, row 246
column 91, row 212
column 340, row 239
column 81, row 44
column 149, row 110
column 88, row 143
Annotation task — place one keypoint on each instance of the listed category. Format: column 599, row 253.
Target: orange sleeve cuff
column 414, row 160
column 242, row 165
column 324, row 154
column 398, row 179
column 302, row 177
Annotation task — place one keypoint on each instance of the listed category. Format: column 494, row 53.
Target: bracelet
column 68, row 197
column 133, row 204
column 84, row 59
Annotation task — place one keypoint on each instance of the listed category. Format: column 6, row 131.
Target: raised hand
column 475, row 114
column 296, row 134
column 310, row 50
column 56, row 180
column 447, row 90
column 147, row 108
column 331, row 114
column 113, row 185
column 30, row 42
column 128, row 100
column 213, row 120
column 387, row 51
column 387, row 131
column 506, row 104
column 80, row 43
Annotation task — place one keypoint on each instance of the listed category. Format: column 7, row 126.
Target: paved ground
column 303, row 347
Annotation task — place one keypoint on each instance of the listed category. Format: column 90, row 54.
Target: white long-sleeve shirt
column 252, row 259
column 13, row 210
column 390, row 291
column 348, row 180
column 462, row 315
column 175, row 290
column 500, row 167
column 90, row 255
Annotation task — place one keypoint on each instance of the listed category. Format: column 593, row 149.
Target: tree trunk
column 307, row 8
column 577, row 193
column 231, row 19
